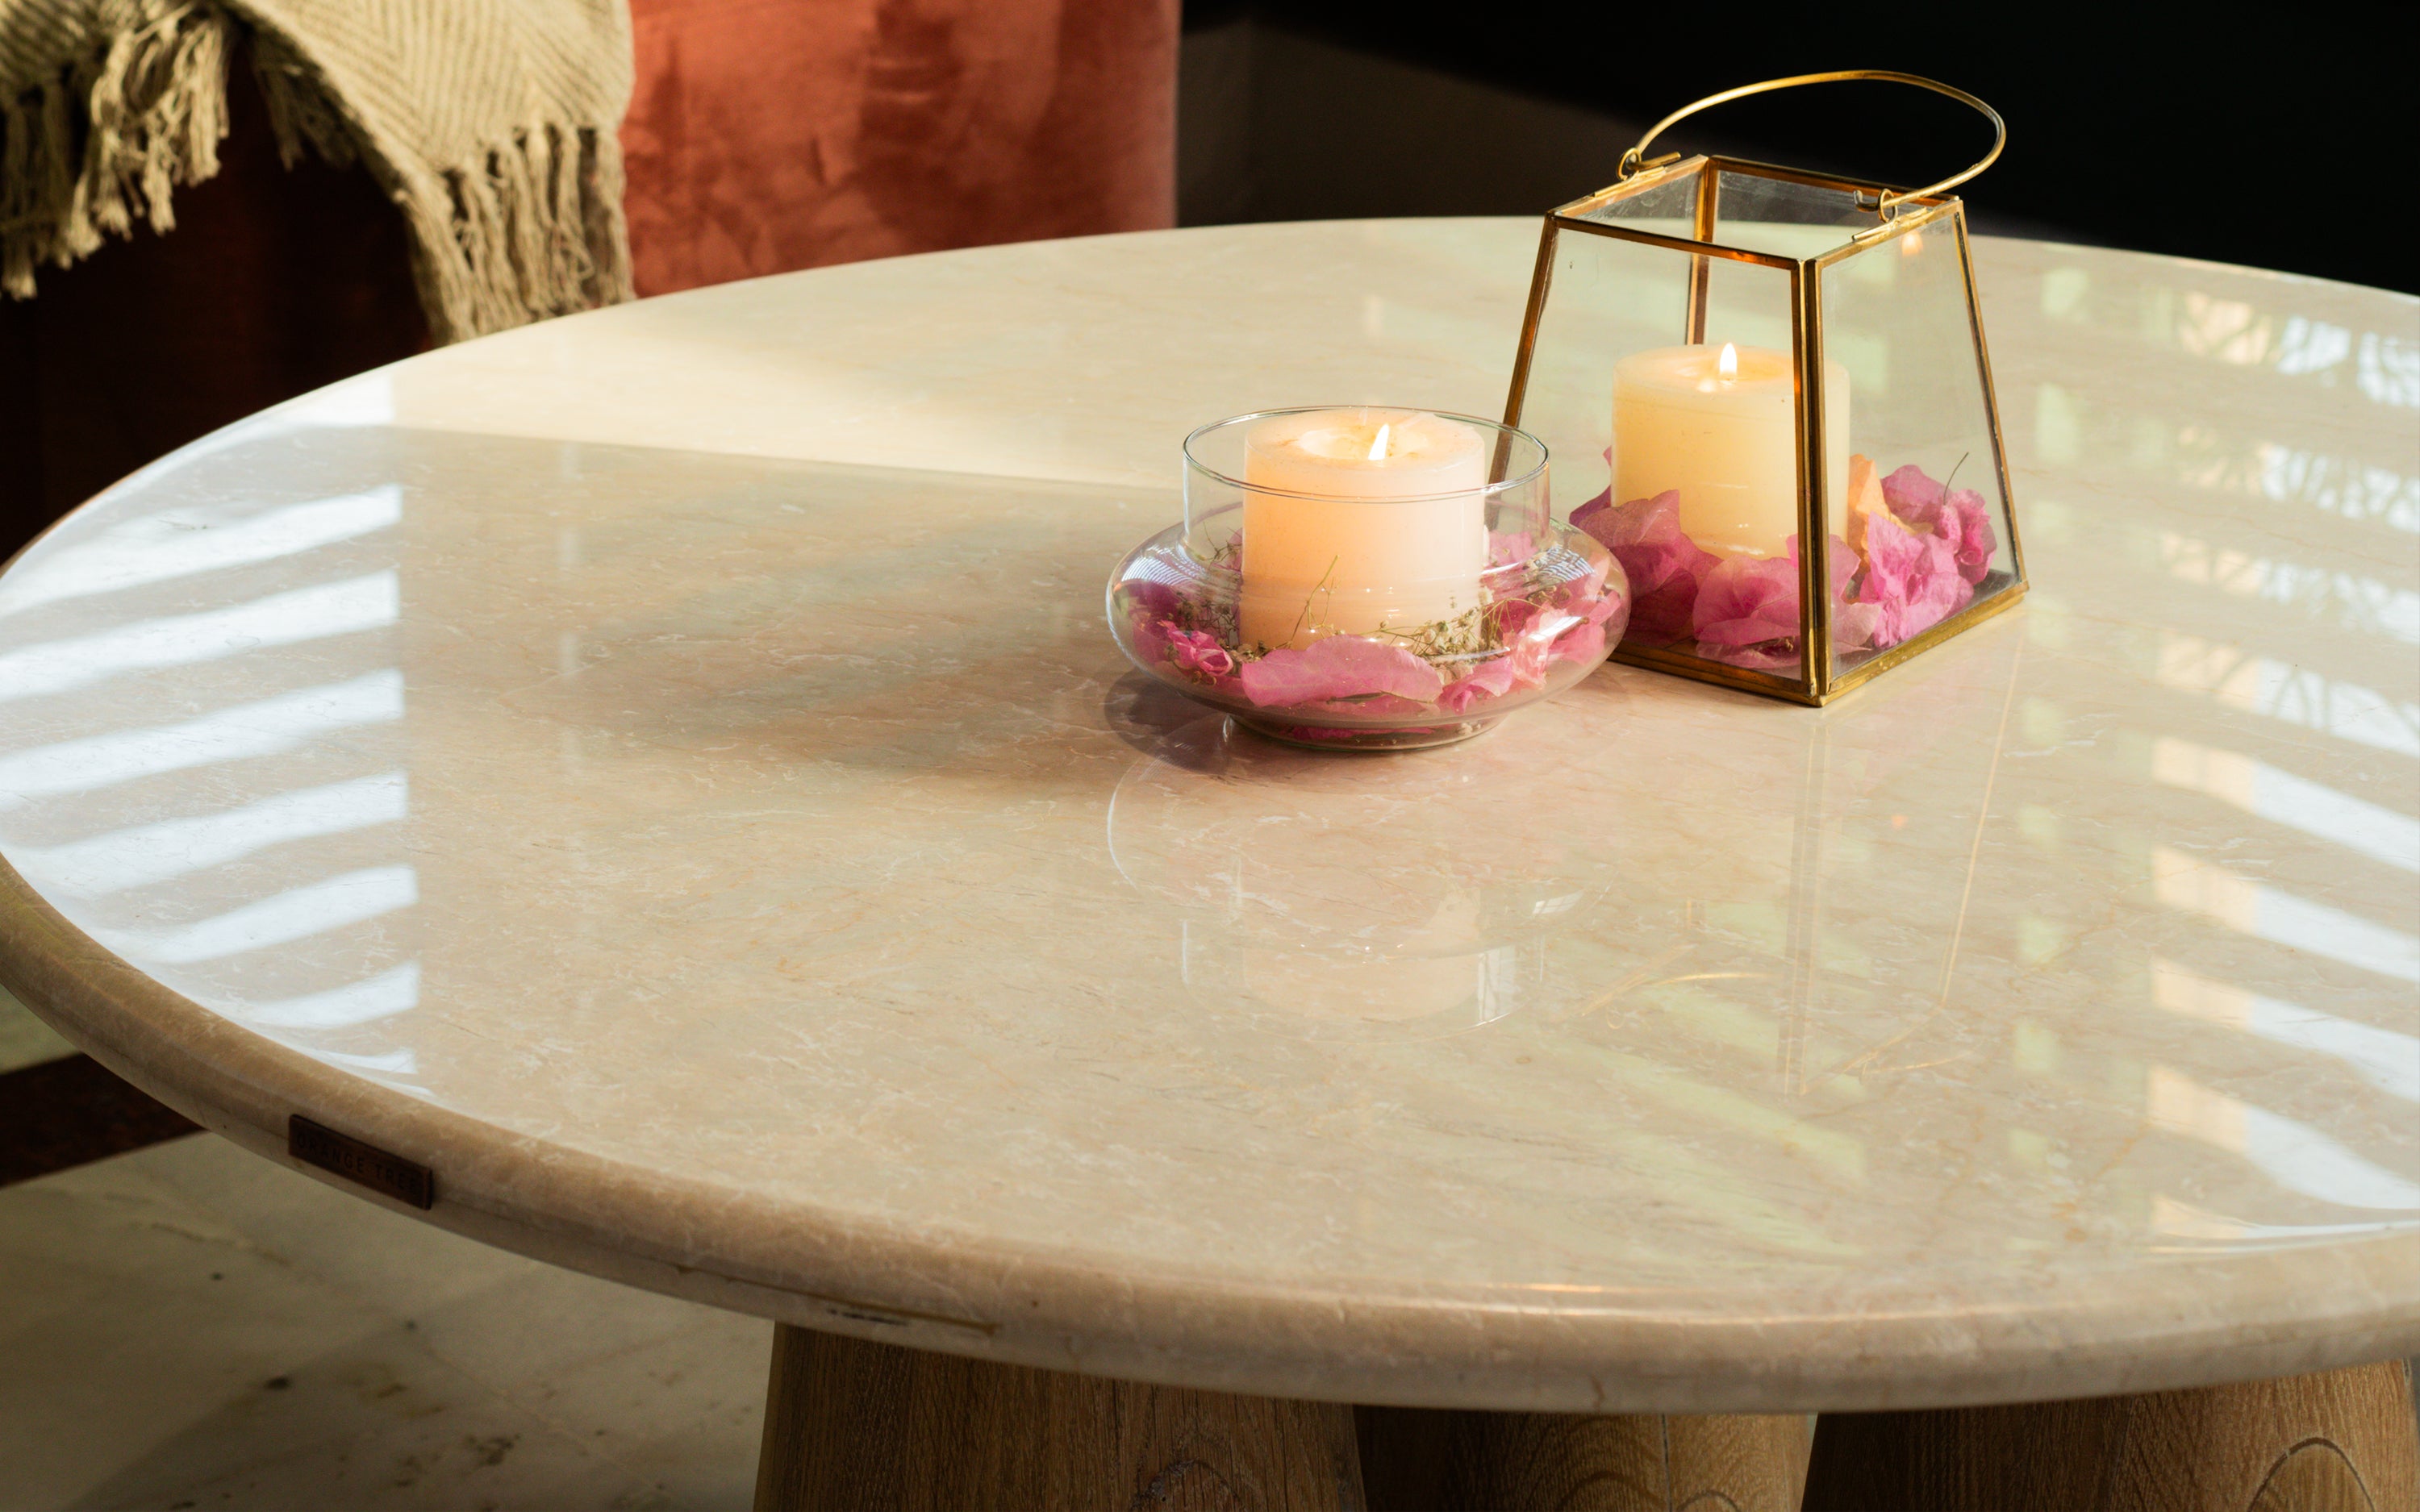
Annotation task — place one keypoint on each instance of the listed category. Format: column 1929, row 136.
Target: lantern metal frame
column 1900, row 213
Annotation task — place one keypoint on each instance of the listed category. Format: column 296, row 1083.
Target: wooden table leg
column 854, row 1425
column 2341, row 1441
column 1427, row 1462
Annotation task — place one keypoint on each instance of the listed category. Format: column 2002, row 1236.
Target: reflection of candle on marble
column 1719, row 424
column 1395, row 536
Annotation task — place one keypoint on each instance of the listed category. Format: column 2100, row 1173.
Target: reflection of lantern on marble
column 1730, row 352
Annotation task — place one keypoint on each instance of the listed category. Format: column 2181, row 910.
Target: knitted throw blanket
column 489, row 123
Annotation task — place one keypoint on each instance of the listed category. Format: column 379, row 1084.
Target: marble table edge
column 1899, row 1348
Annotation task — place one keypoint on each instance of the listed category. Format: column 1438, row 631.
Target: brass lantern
column 1726, row 353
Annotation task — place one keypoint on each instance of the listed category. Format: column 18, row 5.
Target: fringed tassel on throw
column 107, row 142
column 535, row 230
column 528, row 228
column 532, row 228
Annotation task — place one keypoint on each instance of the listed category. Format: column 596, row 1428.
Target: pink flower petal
column 1594, row 517
column 1747, row 610
column 1150, row 600
column 1597, row 609
column 1492, row 680
column 1584, row 642
column 1151, row 639
column 1959, row 517
column 1840, row 563
column 1665, row 567
column 1912, row 496
column 1968, row 526
column 1913, row 581
column 1769, row 657
column 1199, row 650
column 1340, row 667
column 1529, row 632
column 1853, row 626
column 1747, row 599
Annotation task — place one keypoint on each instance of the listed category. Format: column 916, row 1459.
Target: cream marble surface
column 666, row 771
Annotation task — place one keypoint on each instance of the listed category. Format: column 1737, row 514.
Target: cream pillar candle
column 1719, row 424
column 1392, row 537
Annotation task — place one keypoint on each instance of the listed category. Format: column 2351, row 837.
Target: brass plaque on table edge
column 364, row 1164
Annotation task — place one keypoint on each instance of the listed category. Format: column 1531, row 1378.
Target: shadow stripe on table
column 69, row 1112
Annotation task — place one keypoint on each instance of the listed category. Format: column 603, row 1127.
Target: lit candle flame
column 1378, row 447
column 1726, row 366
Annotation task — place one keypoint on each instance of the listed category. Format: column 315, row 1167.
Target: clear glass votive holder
column 1415, row 601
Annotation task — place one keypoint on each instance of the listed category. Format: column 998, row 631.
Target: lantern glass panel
column 1923, row 515
column 1781, row 215
column 1669, row 208
column 1723, row 448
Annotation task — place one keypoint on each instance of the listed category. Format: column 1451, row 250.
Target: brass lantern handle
column 1636, row 158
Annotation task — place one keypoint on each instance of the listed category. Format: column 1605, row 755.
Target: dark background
column 2277, row 136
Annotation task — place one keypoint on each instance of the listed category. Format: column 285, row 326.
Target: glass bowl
column 1350, row 617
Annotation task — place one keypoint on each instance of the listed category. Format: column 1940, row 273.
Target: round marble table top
column 665, row 772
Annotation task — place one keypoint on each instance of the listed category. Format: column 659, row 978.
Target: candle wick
column 1378, row 447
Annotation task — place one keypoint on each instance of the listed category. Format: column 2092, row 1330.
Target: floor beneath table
column 24, row 1039
column 190, row 1326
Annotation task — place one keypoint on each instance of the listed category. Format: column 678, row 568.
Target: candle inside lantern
column 1720, row 426
column 1361, row 522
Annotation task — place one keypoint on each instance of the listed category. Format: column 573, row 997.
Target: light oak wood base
column 853, row 1425
column 1424, row 1462
column 2341, row 1441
